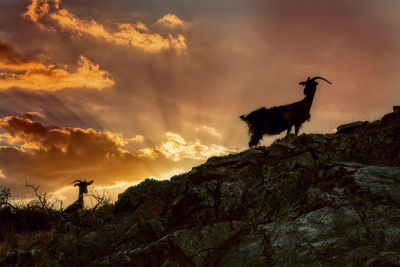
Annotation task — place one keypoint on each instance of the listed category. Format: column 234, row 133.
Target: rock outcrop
column 313, row 200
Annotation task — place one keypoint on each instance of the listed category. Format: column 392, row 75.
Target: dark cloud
column 9, row 57
column 53, row 108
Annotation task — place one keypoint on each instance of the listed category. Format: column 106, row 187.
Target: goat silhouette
column 275, row 120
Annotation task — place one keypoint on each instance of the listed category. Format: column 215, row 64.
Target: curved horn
column 317, row 77
column 76, row 181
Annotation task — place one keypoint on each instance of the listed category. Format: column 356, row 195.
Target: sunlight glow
column 176, row 148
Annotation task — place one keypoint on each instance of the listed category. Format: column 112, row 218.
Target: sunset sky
column 117, row 91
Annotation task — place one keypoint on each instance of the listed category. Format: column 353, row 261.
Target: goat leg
column 288, row 130
column 296, row 129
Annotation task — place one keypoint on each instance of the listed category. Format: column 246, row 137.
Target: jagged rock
column 391, row 117
column 313, row 200
column 198, row 246
column 349, row 127
column 20, row 257
column 148, row 198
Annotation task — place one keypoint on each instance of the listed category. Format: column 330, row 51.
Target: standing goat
column 82, row 190
column 277, row 119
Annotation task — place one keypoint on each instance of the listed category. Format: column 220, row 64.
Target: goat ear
column 90, row 182
column 302, row 83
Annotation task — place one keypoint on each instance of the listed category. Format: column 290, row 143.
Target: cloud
column 171, row 21
column 52, row 156
column 209, row 130
column 10, row 60
column 38, row 9
column 31, row 74
column 128, row 35
column 25, row 133
column 34, row 114
column 236, row 63
column 138, row 138
column 176, row 148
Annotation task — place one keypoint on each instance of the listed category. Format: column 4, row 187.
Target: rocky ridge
column 313, row 200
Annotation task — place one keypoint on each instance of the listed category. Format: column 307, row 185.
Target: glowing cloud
column 176, row 148
column 130, row 35
column 34, row 75
column 38, row 9
column 54, row 156
column 171, row 21
column 26, row 133
column 210, row 130
column 138, row 138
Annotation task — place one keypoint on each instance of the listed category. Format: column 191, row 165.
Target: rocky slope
column 314, row 200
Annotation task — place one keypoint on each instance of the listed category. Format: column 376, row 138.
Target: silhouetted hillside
column 314, row 200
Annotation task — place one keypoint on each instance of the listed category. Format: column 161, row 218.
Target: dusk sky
column 117, row 91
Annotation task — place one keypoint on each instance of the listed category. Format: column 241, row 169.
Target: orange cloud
column 171, row 21
column 34, row 75
column 26, row 133
column 176, row 148
column 54, row 156
column 210, row 130
column 127, row 34
column 130, row 35
column 10, row 60
column 38, row 9
column 138, row 138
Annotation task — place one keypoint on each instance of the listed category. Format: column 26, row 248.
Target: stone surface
column 313, row 200
column 349, row 127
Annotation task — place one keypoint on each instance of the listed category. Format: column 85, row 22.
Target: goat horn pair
column 82, row 182
column 317, row 77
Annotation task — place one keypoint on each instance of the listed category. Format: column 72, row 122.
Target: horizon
column 120, row 91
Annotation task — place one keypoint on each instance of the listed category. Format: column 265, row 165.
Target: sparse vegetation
column 36, row 221
column 100, row 200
